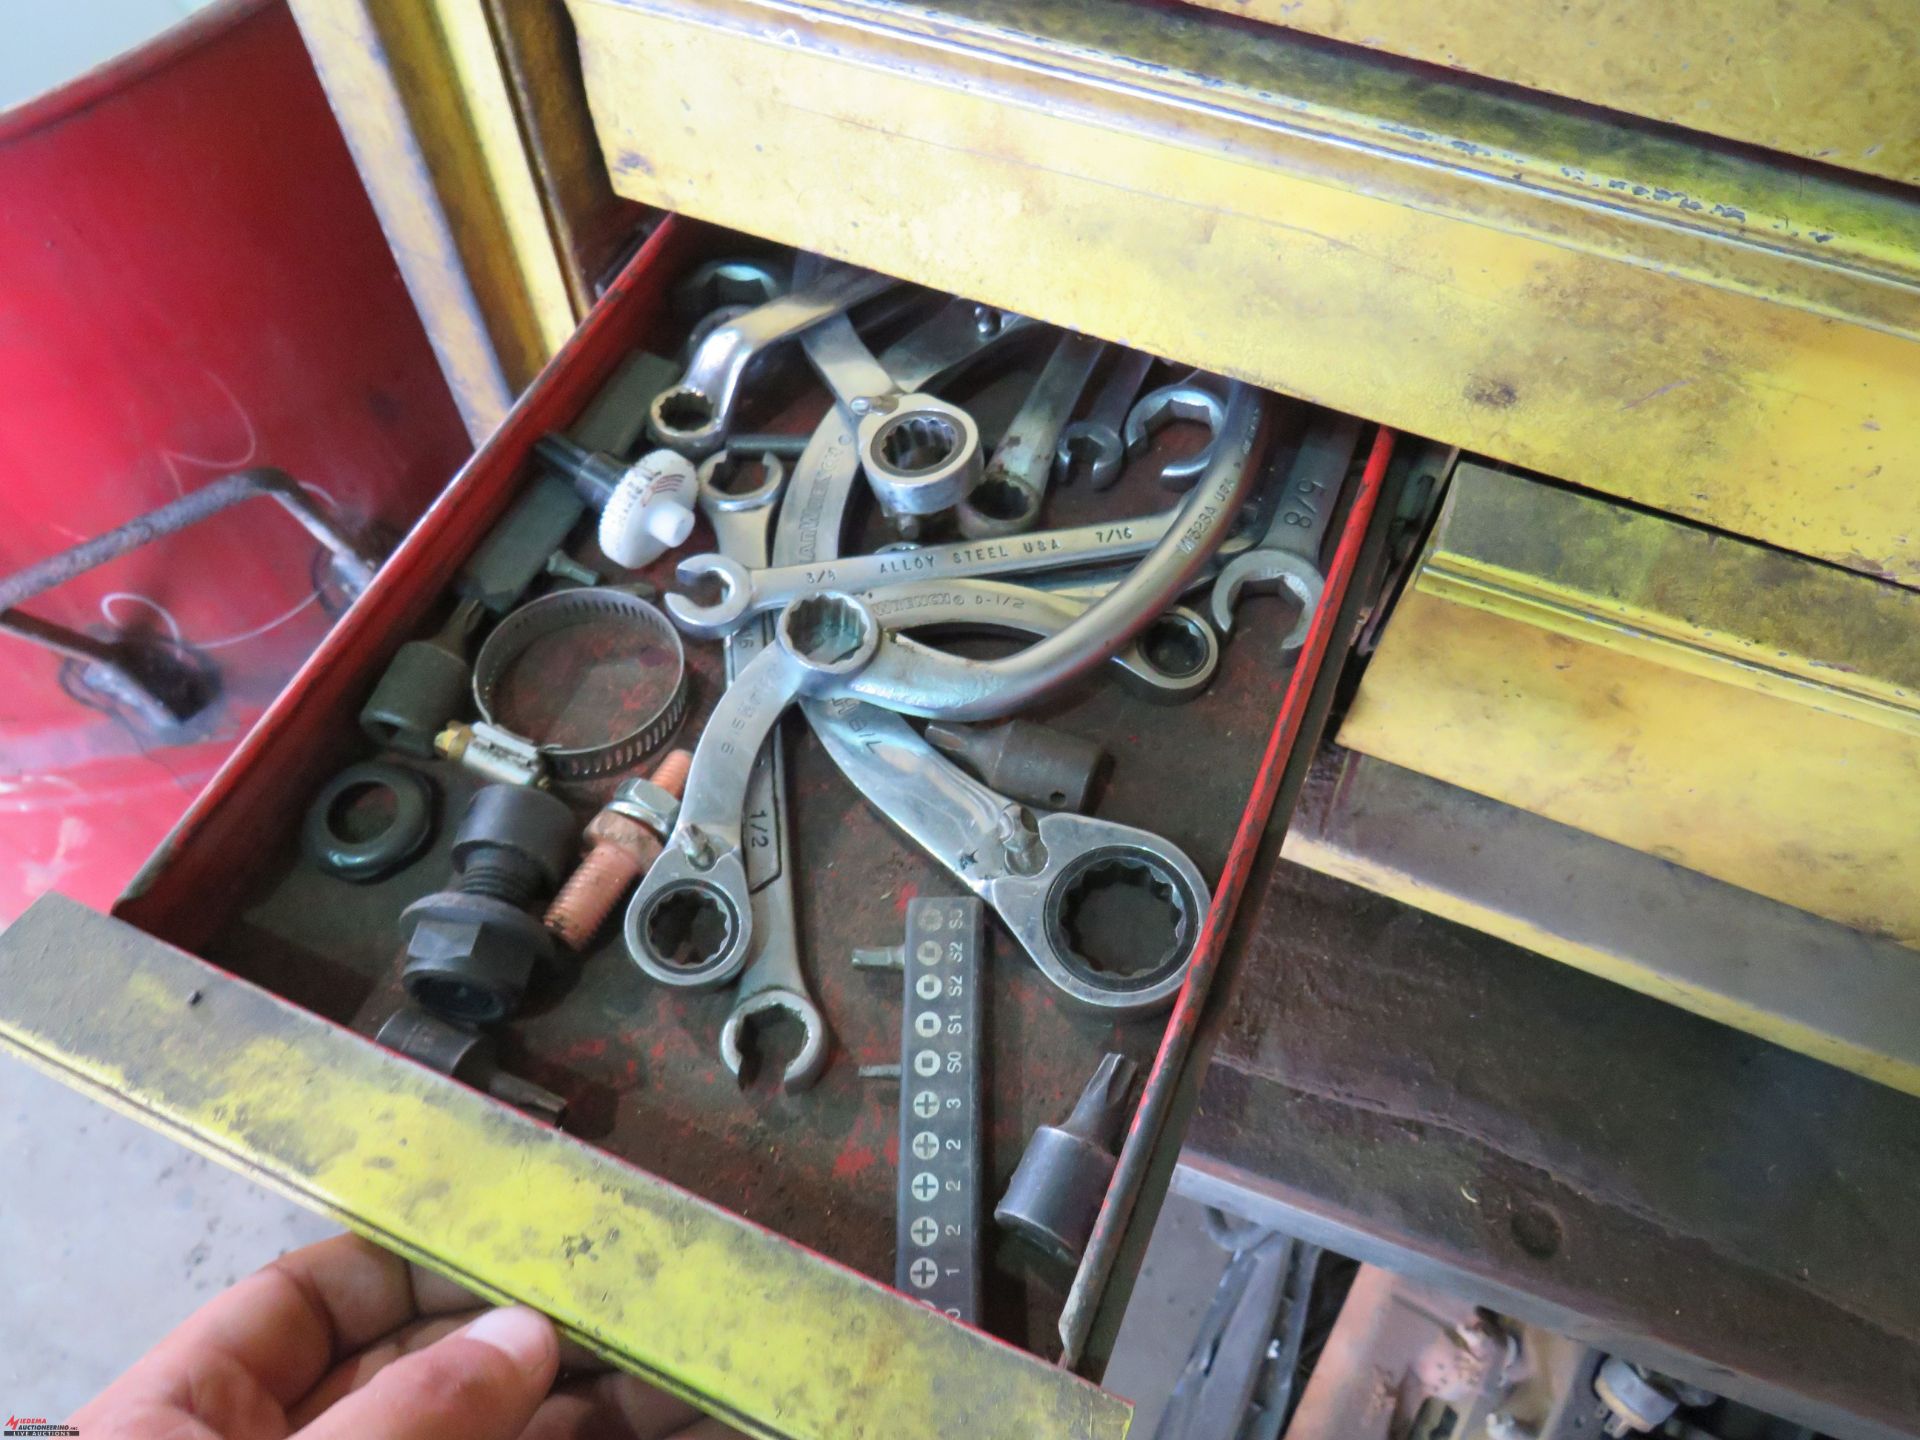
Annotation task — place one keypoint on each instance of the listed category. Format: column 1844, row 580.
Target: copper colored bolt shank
column 620, row 848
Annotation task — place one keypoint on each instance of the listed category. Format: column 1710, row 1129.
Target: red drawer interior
column 639, row 1064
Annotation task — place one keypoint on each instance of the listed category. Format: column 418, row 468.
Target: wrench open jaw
column 1200, row 398
column 1299, row 576
column 722, row 616
column 1289, row 551
column 774, row 1000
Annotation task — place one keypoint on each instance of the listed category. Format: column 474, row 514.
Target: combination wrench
column 1008, row 496
column 693, row 416
column 1097, row 437
column 1031, row 868
column 773, row 980
column 1289, row 550
column 745, row 593
column 690, row 925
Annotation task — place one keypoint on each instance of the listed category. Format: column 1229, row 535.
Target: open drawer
column 722, row 1240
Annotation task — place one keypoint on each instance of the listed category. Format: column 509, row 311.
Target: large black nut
column 425, row 687
column 536, row 826
column 471, row 957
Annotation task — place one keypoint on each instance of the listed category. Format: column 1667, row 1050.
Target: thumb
column 479, row 1383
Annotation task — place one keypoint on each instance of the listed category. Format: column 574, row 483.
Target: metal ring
column 563, row 609
column 377, row 856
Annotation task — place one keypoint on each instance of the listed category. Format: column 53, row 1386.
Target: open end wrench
column 1199, row 397
column 1008, row 496
column 1097, row 437
column 1289, row 551
column 773, row 982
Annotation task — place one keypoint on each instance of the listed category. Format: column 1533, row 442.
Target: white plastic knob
column 651, row 509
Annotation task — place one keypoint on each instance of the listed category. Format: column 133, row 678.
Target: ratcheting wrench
column 1007, row 498
column 773, row 979
column 1030, row 869
column 1098, row 435
column 692, row 417
column 690, row 924
column 1289, row 551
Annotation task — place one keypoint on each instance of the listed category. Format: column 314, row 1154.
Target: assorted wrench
column 843, row 562
column 845, row 637
column 773, row 982
column 1096, row 438
column 1007, row 498
column 1289, row 551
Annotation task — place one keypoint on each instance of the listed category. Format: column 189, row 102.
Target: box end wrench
column 773, row 982
column 1289, row 551
column 693, row 416
column 1032, row 867
column 1007, row 497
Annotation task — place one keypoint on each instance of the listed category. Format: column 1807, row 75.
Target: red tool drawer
column 714, row 1236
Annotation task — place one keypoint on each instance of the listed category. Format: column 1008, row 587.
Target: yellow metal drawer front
column 1715, row 336
column 665, row 1284
column 1747, row 714
column 1831, row 80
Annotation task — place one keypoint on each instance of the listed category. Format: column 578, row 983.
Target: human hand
column 344, row 1341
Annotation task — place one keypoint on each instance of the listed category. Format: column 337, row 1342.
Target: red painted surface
column 191, row 280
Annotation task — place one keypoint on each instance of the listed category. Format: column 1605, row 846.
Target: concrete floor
column 109, row 1236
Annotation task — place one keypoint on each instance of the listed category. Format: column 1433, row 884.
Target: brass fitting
column 622, row 842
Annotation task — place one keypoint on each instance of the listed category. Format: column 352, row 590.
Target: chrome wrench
column 773, row 980
column 745, row 593
column 1008, row 496
column 1030, row 869
column 1289, row 550
column 690, row 924
column 993, row 605
column 1097, row 437
column 692, row 417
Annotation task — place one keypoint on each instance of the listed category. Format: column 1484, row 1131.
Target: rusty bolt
column 622, row 842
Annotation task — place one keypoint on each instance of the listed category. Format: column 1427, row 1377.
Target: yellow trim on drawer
column 769, row 1336
column 1710, row 335
column 1830, row 80
column 1748, row 714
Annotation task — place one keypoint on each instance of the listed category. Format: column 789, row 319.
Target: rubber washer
column 376, row 856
